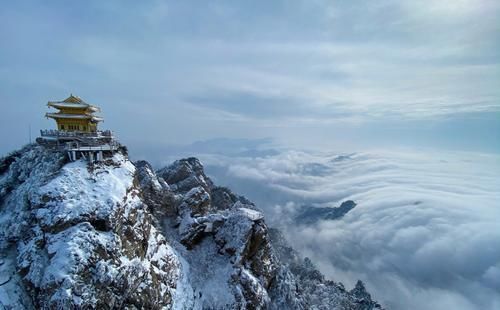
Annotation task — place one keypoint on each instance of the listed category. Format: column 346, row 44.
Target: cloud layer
column 293, row 70
column 423, row 236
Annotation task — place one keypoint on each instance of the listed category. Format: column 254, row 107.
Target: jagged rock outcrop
column 310, row 214
column 361, row 294
column 315, row 291
column 118, row 235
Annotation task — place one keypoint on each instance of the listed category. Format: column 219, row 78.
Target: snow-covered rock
column 118, row 235
column 83, row 236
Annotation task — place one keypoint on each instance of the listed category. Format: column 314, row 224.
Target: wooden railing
column 69, row 134
column 92, row 145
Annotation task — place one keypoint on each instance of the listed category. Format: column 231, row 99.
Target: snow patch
column 251, row 214
column 79, row 192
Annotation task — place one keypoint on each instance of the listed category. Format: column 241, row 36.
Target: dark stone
column 310, row 214
column 100, row 225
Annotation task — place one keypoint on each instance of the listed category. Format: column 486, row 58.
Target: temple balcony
column 75, row 134
column 92, row 146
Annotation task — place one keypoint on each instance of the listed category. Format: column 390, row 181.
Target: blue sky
column 308, row 74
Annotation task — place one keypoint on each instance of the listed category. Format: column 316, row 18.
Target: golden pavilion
column 77, row 132
column 74, row 115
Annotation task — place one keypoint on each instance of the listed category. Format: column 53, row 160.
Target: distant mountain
column 119, row 235
column 311, row 214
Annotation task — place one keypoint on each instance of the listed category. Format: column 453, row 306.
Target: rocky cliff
column 309, row 214
column 119, row 235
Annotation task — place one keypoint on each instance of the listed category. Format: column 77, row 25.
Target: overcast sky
column 311, row 74
column 336, row 76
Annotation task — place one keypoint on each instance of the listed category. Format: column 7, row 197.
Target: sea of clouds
column 425, row 233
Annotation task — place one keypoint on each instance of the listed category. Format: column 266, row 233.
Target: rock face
column 314, row 291
column 309, row 214
column 82, row 237
column 118, row 235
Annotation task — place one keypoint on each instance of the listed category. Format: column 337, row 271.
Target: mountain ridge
column 311, row 214
column 118, row 234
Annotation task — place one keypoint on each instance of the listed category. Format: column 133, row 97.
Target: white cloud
column 425, row 231
column 292, row 70
column 364, row 69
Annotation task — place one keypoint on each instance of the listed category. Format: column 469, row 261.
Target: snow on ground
column 251, row 214
column 206, row 274
column 77, row 191
column 12, row 294
column 71, row 251
column 184, row 296
column 210, row 275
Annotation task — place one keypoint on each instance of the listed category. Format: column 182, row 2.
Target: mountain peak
column 117, row 234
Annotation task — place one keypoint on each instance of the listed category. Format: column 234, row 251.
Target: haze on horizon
column 307, row 74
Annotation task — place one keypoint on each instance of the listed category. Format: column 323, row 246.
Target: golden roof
column 73, row 99
column 73, row 102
